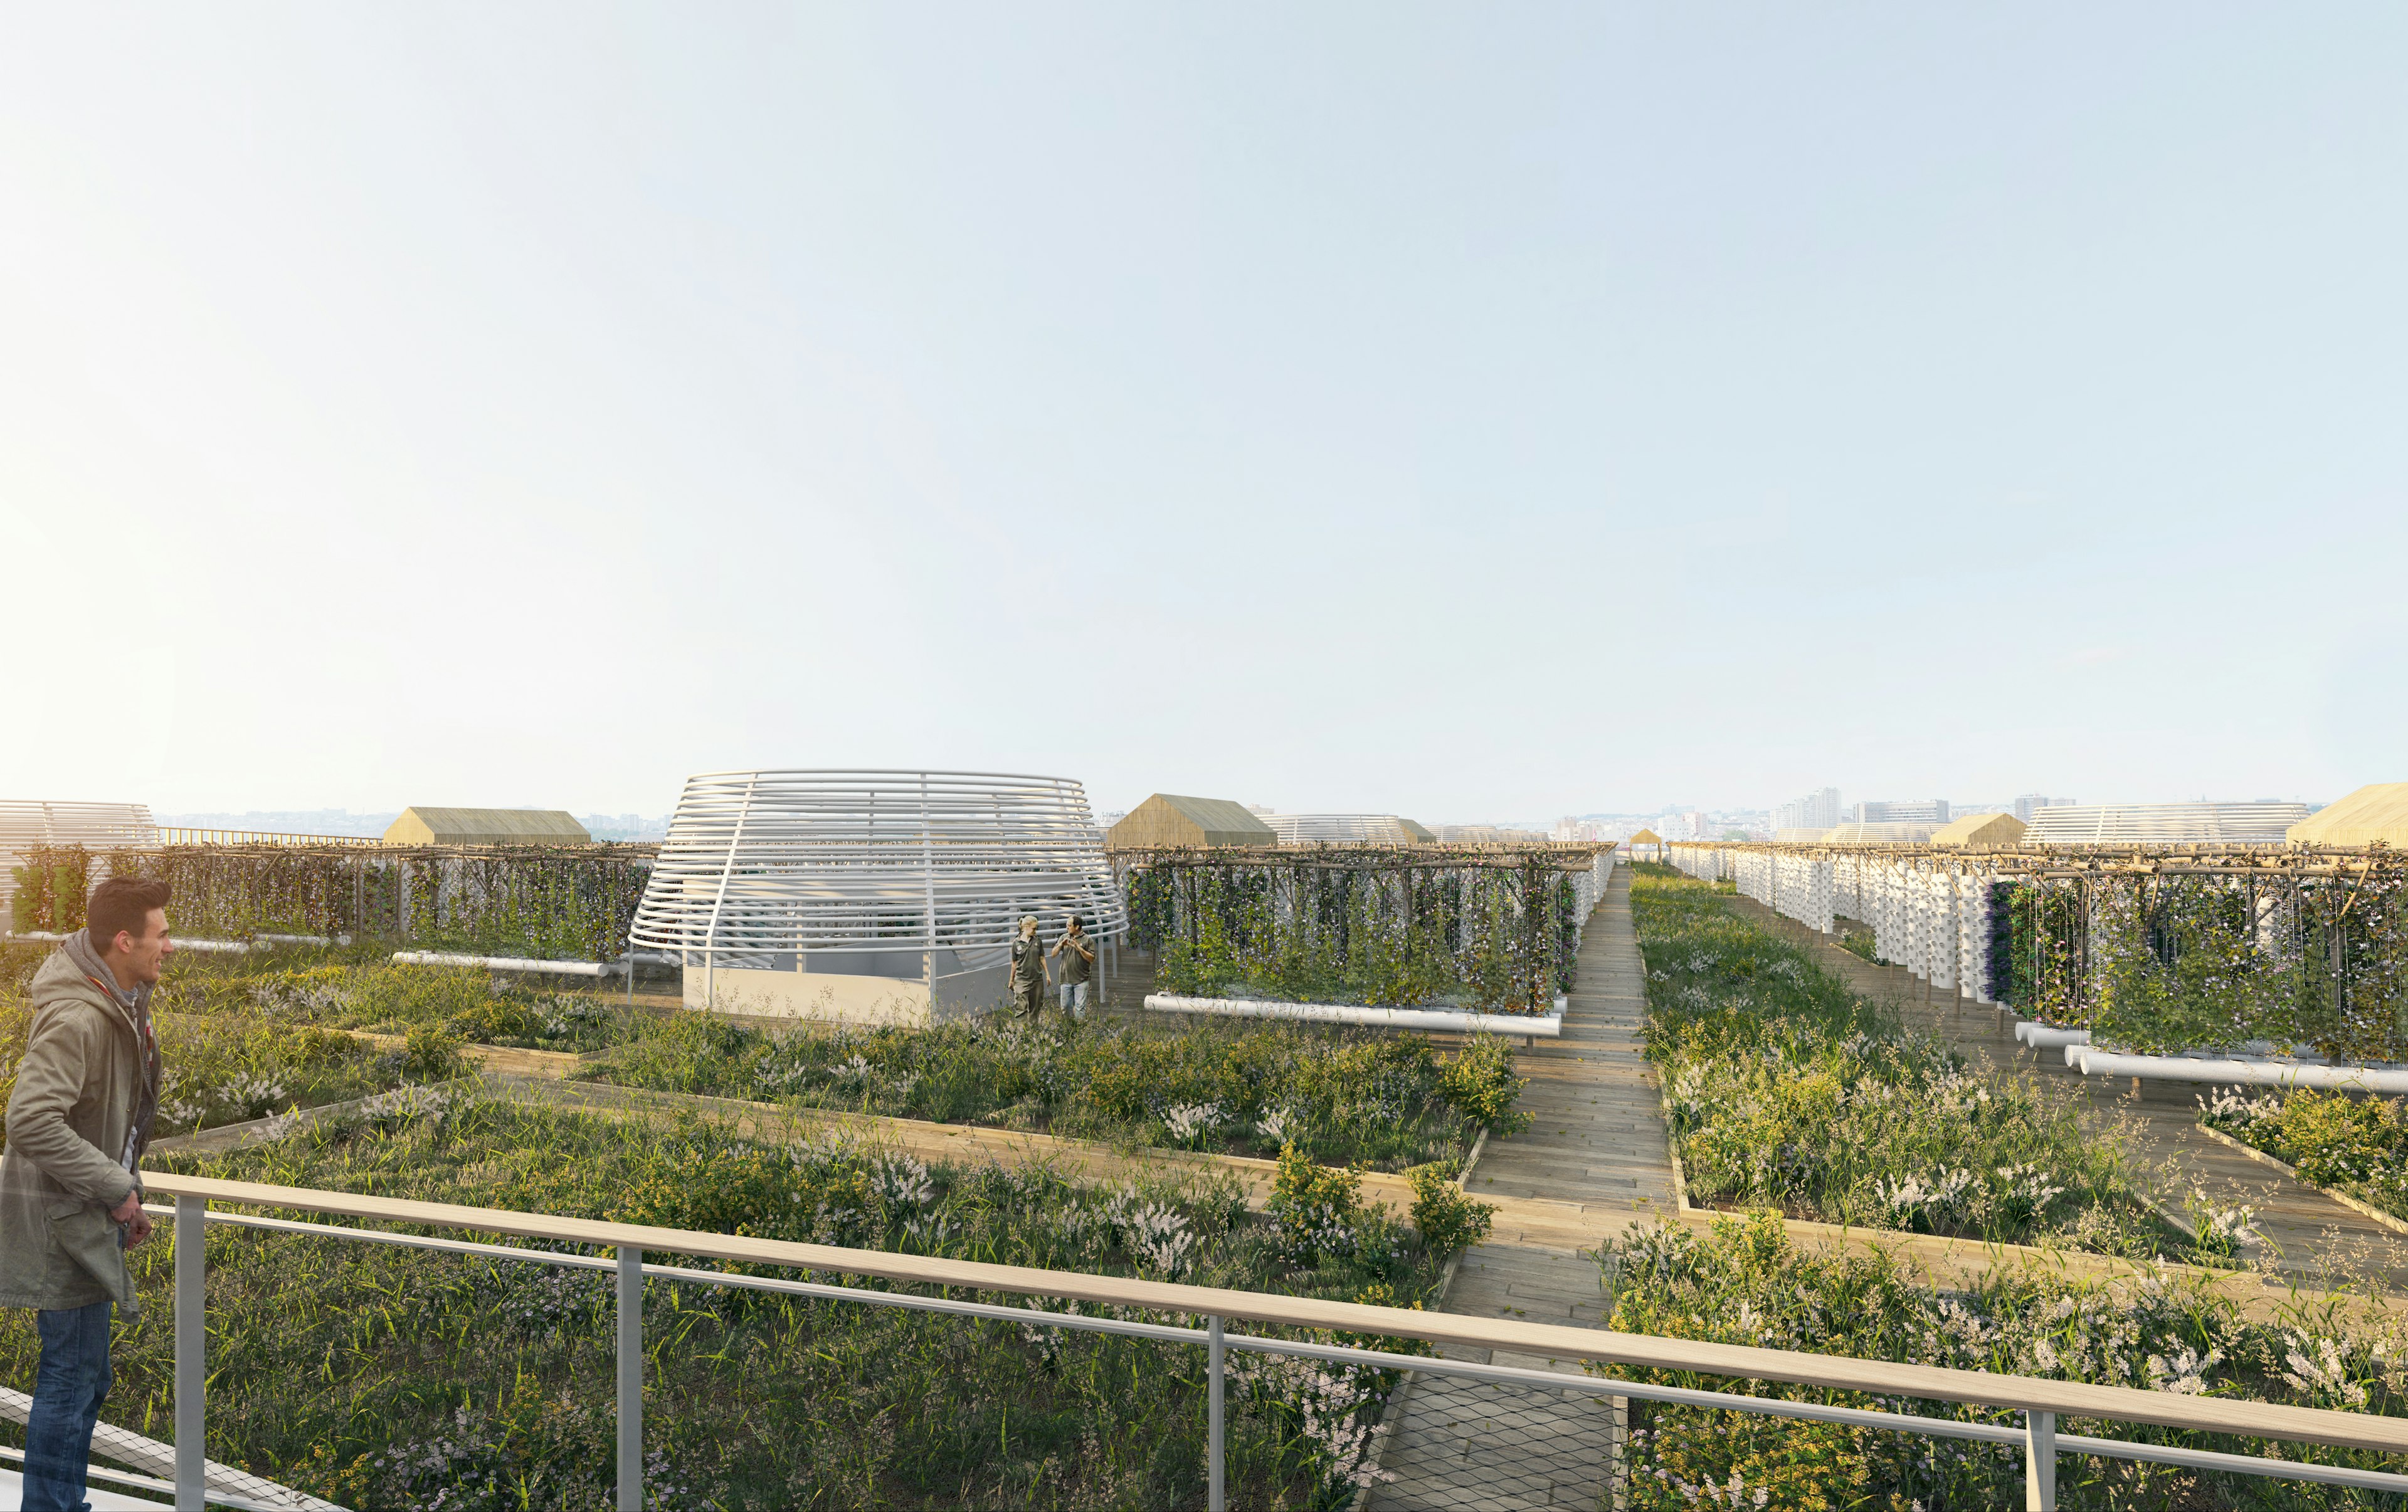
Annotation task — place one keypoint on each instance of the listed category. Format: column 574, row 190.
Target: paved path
column 1592, row 1163
column 2315, row 1239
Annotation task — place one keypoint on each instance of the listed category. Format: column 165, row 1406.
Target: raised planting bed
column 2353, row 1148
column 1784, row 1091
column 1343, row 1096
column 384, row 1378
column 1743, row 1281
column 1546, row 1025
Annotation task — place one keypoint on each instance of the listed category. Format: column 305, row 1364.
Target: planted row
column 384, row 1378
column 1342, row 1097
column 1787, row 1090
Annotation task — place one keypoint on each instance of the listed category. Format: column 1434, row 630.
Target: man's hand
column 129, row 1212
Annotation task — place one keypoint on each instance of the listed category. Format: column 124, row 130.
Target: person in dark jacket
column 70, row 1183
column 1027, row 979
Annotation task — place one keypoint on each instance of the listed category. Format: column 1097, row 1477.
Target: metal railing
column 2041, row 1402
column 172, row 835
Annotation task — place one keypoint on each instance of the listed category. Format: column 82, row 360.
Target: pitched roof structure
column 1981, row 831
column 1421, row 833
column 2376, row 813
column 1178, row 819
column 421, row 825
column 1645, row 837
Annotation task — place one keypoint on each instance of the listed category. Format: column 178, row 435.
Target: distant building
column 1817, row 809
column 2028, row 804
column 486, row 826
column 1931, row 810
column 1172, row 819
column 1487, row 834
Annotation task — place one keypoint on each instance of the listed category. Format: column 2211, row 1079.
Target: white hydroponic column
column 1939, row 910
column 1972, row 933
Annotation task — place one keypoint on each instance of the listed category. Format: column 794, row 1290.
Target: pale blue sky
column 1469, row 412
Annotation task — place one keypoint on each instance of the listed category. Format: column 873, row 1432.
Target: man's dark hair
column 121, row 903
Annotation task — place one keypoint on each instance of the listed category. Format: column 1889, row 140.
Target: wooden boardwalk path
column 1592, row 1163
column 2314, row 1240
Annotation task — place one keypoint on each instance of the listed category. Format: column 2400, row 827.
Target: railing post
column 1617, row 1454
column 1216, row 1496
column 191, row 1354
column 2039, row 1461
column 631, row 1379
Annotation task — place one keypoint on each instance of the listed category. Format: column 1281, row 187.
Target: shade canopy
column 1169, row 819
column 2376, row 814
column 1981, row 831
column 769, row 864
column 1645, row 837
column 426, row 826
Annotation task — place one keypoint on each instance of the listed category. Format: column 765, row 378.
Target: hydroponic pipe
column 1443, row 1020
column 2232, row 1070
column 509, row 963
column 2041, row 1037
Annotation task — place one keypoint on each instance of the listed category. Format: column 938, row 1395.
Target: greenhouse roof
column 1220, row 816
column 486, row 826
column 2376, row 813
column 1978, row 831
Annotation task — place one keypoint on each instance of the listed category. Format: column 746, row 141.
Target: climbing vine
column 1364, row 925
column 2314, row 955
column 558, row 901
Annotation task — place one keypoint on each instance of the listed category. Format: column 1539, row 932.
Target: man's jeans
column 1074, row 998
column 74, row 1377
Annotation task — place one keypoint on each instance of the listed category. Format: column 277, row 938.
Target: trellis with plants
column 2298, row 949
column 569, row 902
column 1386, row 926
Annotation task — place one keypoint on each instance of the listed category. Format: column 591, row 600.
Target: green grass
column 385, row 1378
column 1746, row 1283
column 1386, row 1100
column 1788, row 1091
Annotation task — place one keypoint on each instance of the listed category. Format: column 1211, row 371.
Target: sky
column 1465, row 411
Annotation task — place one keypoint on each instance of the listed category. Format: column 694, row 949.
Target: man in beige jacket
column 70, row 1183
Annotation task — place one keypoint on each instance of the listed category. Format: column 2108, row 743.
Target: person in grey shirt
column 1078, row 954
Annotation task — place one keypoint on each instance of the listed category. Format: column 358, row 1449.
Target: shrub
column 1315, row 1209
column 431, row 1054
column 1482, row 1086
column 1448, row 1220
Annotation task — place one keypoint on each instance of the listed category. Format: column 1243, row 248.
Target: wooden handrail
column 2069, row 1399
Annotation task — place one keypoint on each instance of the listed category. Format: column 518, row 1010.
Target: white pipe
column 2232, row 1070
column 2041, row 1037
column 234, row 948
column 509, row 963
column 1444, row 1020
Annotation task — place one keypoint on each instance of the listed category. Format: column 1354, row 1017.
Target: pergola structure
column 870, row 896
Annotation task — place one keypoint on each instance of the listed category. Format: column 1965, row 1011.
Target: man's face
column 1075, row 928
column 147, row 952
